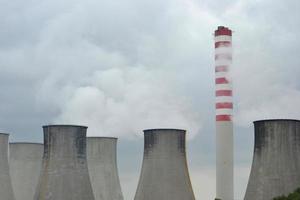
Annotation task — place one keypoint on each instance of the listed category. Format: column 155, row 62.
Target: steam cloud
column 118, row 80
column 124, row 101
column 142, row 56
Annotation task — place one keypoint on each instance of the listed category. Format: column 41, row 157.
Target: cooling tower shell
column 25, row 162
column 64, row 174
column 164, row 174
column 102, row 164
column 276, row 162
column 6, row 190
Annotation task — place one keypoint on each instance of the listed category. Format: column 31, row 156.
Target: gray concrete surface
column 276, row 162
column 102, row 164
column 6, row 191
column 224, row 160
column 164, row 174
column 25, row 162
column 64, row 174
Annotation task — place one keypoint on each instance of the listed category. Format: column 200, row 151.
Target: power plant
column 103, row 170
column 25, row 162
column 276, row 160
column 64, row 174
column 164, row 174
column 224, row 106
column 71, row 166
column 6, row 190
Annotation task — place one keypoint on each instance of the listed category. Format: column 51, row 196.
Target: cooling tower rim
column 36, row 143
column 101, row 137
column 164, row 129
column 269, row 120
column 63, row 125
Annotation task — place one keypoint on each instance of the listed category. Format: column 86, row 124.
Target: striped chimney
column 224, row 108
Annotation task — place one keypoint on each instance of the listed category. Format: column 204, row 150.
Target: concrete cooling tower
column 164, row 174
column 102, row 164
column 64, row 174
column 25, row 162
column 276, row 162
column 6, row 191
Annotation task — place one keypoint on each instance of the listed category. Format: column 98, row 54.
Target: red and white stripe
column 223, row 60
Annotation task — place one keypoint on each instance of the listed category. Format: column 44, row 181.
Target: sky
column 123, row 66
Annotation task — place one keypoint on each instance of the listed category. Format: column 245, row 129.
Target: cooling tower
column 224, row 107
column 276, row 162
column 164, row 174
column 6, row 191
column 25, row 162
column 102, row 164
column 64, row 174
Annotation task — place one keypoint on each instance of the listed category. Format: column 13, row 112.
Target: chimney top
column 223, row 30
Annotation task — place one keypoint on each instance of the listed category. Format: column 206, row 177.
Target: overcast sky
column 124, row 66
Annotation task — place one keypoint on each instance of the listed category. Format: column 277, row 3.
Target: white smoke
column 118, row 79
column 124, row 101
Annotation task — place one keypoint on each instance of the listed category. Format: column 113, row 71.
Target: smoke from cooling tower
column 125, row 101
